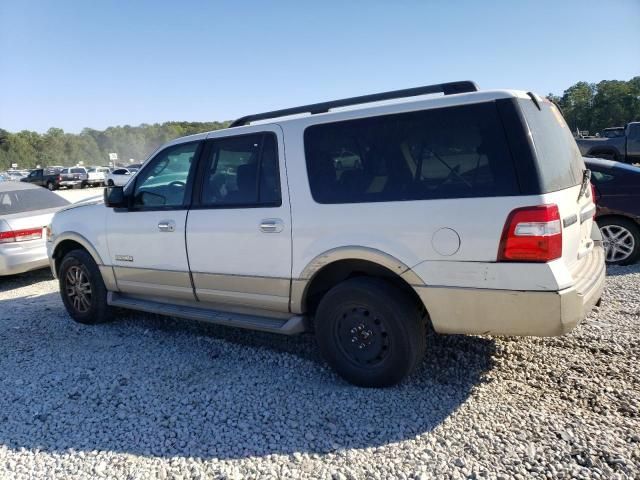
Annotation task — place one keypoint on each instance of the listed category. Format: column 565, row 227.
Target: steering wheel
column 178, row 183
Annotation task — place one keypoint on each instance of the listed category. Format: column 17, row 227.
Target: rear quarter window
column 559, row 162
column 453, row 152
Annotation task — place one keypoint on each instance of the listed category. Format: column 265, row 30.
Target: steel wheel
column 619, row 242
column 361, row 336
column 78, row 288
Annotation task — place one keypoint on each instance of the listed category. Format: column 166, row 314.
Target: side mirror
column 114, row 197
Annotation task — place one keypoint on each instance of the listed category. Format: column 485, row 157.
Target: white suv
column 469, row 212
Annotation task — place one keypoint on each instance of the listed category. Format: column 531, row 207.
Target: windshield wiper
column 586, row 178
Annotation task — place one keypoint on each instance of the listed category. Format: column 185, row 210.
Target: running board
column 290, row 326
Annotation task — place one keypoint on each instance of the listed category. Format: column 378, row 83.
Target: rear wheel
column 621, row 238
column 110, row 183
column 370, row 332
column 83, row 291
column 50, row 186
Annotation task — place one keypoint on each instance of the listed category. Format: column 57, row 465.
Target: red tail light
column 532, row 234
column 20, row 235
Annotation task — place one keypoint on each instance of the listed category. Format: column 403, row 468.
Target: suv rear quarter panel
column 410, row 231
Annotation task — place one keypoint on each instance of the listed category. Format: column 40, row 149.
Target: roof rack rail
column 322, row 107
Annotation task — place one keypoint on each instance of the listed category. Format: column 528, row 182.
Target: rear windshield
column 452, row 152
column 19, row 201
column 559, row 160
column 78, row 170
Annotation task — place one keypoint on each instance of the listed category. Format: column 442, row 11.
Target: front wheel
column 110, row 183
column 621, row 238
column 83, row 291
column 370, row 332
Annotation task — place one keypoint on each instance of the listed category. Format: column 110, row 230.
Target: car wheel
column 370, row 332
column 110, row 183
column 83, row 291
column 50, row 186
column 621, row 239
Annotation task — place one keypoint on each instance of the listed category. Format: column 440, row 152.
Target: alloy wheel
column 618, row 242
column 78, row 288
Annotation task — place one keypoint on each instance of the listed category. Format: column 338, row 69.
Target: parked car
column 97, row 176
column 613, row 145
column 74, row 177
column 120, row 176
column 449, row 216
column 44, row 177
column 617, row 188
column 25, row 210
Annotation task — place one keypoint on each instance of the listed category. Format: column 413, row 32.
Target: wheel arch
column 337, row 265
column 71, row 241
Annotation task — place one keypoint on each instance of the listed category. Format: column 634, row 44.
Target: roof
column 403, row 104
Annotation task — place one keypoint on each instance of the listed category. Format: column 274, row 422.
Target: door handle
column 167, row 226
column 271, row 225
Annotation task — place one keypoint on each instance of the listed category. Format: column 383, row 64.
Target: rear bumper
column 16, row 259
column 512, row 312
column 70, row 183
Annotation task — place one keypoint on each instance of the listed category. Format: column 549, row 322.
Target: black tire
column 110, row 183
column 95, row 310
column 608, row 226
column 370, row 332
column 50, row 186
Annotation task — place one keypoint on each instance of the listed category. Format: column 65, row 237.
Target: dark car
column 617, row 187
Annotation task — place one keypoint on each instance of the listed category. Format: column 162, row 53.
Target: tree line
column 92, row 147
column 594, row 106
column 586, row 106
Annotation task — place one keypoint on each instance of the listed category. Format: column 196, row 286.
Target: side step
column 290, row 326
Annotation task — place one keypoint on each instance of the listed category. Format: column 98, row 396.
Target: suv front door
column 147, row 240
column 239, row 228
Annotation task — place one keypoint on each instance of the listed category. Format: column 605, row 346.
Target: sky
column 76, row 64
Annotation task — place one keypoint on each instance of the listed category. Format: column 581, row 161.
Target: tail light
column 11, row 236
column 532, row 234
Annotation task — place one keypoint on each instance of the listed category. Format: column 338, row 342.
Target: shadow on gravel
column 13, row 282
column 148, row 385
column 615, row 270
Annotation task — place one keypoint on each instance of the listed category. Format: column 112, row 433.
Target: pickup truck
column 74, row 177
column 621, row 148
column 44, row 177
column 97, row 176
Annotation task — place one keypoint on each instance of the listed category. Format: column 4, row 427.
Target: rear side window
column 242, row 172
column 560, row 163
column 454, row 152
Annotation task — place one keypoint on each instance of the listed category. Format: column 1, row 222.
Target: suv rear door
column 239, row 228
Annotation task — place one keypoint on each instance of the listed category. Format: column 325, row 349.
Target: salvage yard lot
column 150, row 397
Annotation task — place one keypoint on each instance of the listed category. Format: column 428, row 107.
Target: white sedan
column 120, row 176
column 25, row 211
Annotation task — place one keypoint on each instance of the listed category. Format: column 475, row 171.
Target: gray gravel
column 150, row 397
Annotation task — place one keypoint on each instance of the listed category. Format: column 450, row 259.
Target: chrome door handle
column 271, row 225
column 167, row 226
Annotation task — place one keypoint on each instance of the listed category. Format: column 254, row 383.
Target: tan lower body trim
column 242, row 290
column 146, row 281
column 109, row 278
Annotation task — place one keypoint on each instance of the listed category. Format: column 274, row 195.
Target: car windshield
column 19, row 201
column 77, row 170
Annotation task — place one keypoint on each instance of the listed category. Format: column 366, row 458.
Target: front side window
column 163, row 183
column 454, row 152
column 242, row 171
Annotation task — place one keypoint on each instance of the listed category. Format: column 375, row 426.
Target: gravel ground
column 150, row 397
